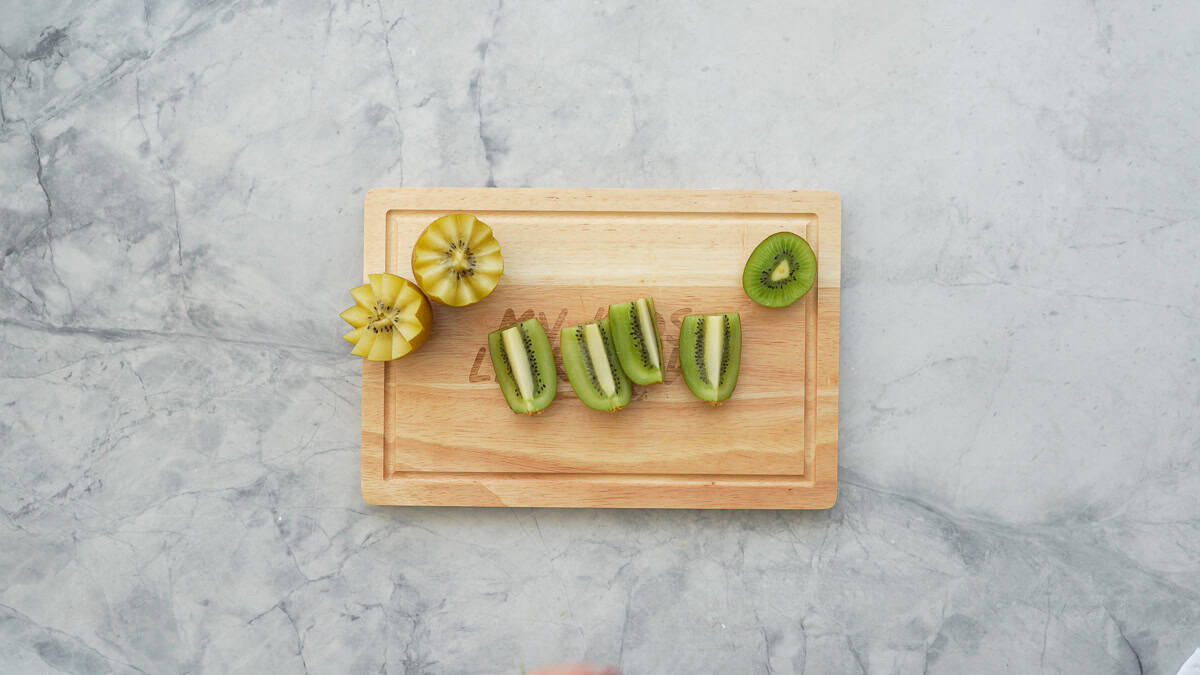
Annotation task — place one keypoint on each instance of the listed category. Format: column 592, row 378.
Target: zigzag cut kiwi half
column 390, row 318
column 524, row 366
column 457, row 260
column 710, row 351
column 592, row 367
column 635, row 336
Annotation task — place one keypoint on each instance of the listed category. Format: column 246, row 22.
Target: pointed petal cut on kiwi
column 411, row 329
column 365, row 344
column 524, row 366
column 636, row 339
column 376, row 282
column 710, row 353
column 457, row 260
column 592, row 366
column 400, row 345
column 357, row 316
column 391, row 318
column 468, row 294
column 381, row 349
column 780, row 271
column 365, row 297
column 390, row 288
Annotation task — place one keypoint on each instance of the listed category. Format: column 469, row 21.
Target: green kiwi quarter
column 780, row 270
column 635, row 336
column 710, row 351
column 524, row 366
column 592, row 367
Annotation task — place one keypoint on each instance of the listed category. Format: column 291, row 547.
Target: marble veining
column 181, row 187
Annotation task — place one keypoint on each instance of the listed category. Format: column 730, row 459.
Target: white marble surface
column 181, row 190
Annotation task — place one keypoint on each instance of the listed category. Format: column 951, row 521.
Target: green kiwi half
column 592, row 367
column 780, row 270
column 635, row 336
column 524, row 366
column 710, row 351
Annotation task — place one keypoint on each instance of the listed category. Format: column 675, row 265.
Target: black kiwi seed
column 454, row 246
column 613, row 364
column 636, row 333
column 725, row 347
column 701, row 370
column 587, row 358
column 538, row 384
column 507, row 365
column 765, row 277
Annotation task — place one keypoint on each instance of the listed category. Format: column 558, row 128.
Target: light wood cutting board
column 436, row 430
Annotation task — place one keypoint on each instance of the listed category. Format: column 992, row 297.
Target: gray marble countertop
column 181, row 189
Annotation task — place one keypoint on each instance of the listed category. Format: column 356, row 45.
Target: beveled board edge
column 599, row 490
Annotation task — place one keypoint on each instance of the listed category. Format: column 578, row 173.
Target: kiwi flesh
column 635, row 337
column 780, row 271
column 524, row 366
column 592, row 366
column 710, row 351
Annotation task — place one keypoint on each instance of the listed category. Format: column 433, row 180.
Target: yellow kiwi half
column 457, row 261
column 390, row 317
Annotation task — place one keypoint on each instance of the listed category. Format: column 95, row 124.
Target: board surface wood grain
column 436, row 430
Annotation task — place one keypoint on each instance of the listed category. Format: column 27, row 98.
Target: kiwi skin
column 780, row 248
column 692, row 362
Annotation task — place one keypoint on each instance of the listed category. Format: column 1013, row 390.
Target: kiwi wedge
column 710, row 351
column 780, row 270
column 592, row 367
column 456, row 260
column 635, row 337
column 390, row 318
column 524, row 366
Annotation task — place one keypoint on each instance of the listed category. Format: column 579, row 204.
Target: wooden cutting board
column 436, row 430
